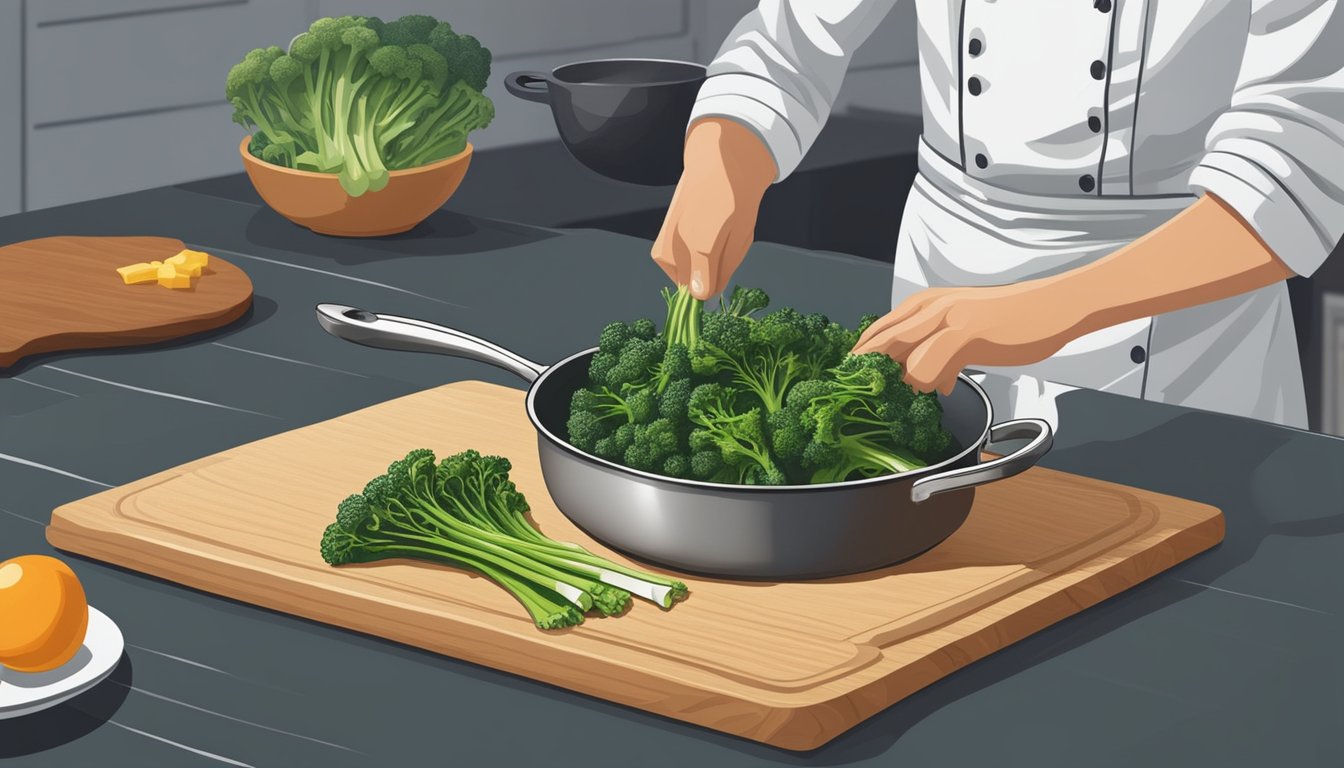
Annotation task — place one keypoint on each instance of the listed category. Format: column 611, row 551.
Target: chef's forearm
column 716, row 145
column 1203, row 254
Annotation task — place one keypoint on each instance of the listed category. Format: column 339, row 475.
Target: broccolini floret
column 737, row 433
column 859, row 420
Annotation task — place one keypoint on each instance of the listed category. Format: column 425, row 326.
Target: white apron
column 957, row 231
column 1055, row 131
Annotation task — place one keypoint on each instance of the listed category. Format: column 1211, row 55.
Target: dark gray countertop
column 1229, row 659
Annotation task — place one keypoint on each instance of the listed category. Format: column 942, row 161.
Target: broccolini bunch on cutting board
column 466, row 512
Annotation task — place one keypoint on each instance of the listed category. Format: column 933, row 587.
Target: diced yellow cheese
column 183, row 264
column 198, row 259
column 139, row 273
column 176, row 272
column 169, row 277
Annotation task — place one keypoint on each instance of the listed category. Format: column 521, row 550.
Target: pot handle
column 403, row 333
column 995, row 469
column 524, row 85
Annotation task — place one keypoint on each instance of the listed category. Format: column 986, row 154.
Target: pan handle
column 403, row 333
column 995, row 469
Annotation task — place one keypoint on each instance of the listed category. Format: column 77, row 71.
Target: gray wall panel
column 54, row 12
column 142, row 62
column 83, row 161
column 11, row 107
column 528, row 27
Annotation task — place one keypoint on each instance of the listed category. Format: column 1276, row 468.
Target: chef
column 1111, row 193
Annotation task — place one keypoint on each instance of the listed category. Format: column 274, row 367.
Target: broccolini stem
column 894, row 459
column 683, row 318
column 318, row 101
column 663, row 592
column 365, row 146
column 512, row 531
column 536, row 572
column 547, row 612
column 649, row 586
column 656, row 589
column 571, row 585
column 764, row 387
column 617, row 409
column 430, row 121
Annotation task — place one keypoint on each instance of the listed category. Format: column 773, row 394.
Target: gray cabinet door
column 129, row 94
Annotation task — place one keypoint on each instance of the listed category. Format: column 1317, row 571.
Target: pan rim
column 701, row 68
column 930, row 470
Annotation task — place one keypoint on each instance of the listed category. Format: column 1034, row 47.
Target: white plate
column 23, row 693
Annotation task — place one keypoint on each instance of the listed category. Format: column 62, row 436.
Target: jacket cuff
column 1266, row 205
column 765, row 109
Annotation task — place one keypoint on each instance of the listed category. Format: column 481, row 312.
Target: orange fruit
column 43, row 614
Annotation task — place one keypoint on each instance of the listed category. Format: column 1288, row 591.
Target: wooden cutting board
column 790, row 664
column 61, row 293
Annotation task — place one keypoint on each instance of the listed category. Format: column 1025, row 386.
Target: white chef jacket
column 1056, row 131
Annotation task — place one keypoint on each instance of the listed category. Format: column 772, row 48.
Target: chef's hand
column 939, row 331
column 712, row 218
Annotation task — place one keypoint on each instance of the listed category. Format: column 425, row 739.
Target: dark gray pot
column 623, row 118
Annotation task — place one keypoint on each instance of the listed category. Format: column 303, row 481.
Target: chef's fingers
column 704, row 273
column 933, row 364
column 663, row 256
column 905, row 309
column 898, row 339
column 664, row 245
column 734, row 253
column 681, row 258
column 707, row 243
column 902, row 311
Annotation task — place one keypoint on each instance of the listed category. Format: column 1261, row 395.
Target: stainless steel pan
column 755, row 532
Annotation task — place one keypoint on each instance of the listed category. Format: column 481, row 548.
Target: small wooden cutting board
column 790, row 664
column 60, row 293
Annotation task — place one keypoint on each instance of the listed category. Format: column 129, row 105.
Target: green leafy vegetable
column 729, row 397
column 464, row 511
column 359, row 97
column 859, row 420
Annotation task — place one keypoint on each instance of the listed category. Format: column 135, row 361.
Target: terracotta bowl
column 316, row 200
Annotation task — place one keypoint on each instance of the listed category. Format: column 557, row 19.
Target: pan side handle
column 532, row 86
column 406, row 334
column 1041, row 438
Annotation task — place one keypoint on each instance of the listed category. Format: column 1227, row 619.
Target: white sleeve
column 1277, row 155
column 780, row 69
